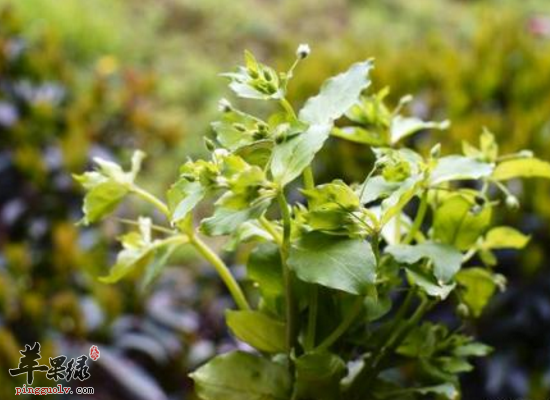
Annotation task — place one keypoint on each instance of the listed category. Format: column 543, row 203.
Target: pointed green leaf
column 478, row 286
column 459, row 222
column 318, row 376
column 338, row 263
column 102, row 200
column 293, row 155
column 446, row 259
column 522, row 168
column 338, row 94
column 258, row 330
column 504, row 237
column 402, row 127
column 453, row 168
column 242, row 376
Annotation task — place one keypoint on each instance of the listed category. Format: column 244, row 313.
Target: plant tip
column 303, row 51
column 224, row 105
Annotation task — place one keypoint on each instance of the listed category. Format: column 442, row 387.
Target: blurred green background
column 82, row 78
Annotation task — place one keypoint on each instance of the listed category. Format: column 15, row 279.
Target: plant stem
column 309, row 341
column 145, row 195
column 363, row 377
column 344, row 325
column 417, row 224
column 223, row 272
column 288, row 108
column 268, row 226
column 309, row 181
column 290, row 306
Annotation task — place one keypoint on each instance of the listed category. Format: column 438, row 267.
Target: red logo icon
column 94, row 353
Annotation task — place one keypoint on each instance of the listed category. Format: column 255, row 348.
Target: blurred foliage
column 84, row 78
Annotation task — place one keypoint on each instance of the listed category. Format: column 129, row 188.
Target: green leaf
column 258, row 330
column 428, row 283
column 446, row 259
column 338, row 94
column 138, row 250
column 107, row 186
column 293, row 155
column 473, row 349
column 227, row 220
column 359, row 135
column 522, row 168
column 102, row 200
column 478, row 286
column 183, row 197
column 318, row 376
column 504, row 237
column 453, row 168
column 242, row 376
column 447, row 390
column 459, row 222
column 402, row 127
column 265, row 268
column 154, row 268
column 376, row 188
column 338, row 263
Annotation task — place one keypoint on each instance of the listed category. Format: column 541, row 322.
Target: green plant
column 344, row 279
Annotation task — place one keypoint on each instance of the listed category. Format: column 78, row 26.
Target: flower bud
column 526, row 154
column 303, row 51
column 209, row 144
column 224, row 105
column 512, row 202
column 435, row 152
column 462, row 310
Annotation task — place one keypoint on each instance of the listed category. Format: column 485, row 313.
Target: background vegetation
column 84, row 78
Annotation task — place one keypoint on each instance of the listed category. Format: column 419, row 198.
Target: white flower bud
column 512, row 202
column 526, row 154
column 303, row 51
column 224, row 105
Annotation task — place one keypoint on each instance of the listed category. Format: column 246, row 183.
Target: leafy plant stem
column 145, row 195
column 288, row 108
column 420, row 215
column 290, row 306
column 223, row 272
column 309, row 342
column 268, row 226
column 309, row 181
column 344, row 325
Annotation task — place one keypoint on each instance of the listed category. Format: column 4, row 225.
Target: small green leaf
column 137, row 252
column 478, row 286
column 264, row 267
column 258, row 330
column 227, row 220
column 446, row 259
column 402, row 127
column 428, row 283
column 102, row 200
column 504, row 237
column 318, row 376
column 183, row 197
column 522, row 168
column 154, row 268
column 242, row 376
column 338, row 263
column 446, row 390
column 294, row 154
column 458, row 221
column 453, row 168
column 338, row 94
column 359, row 135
